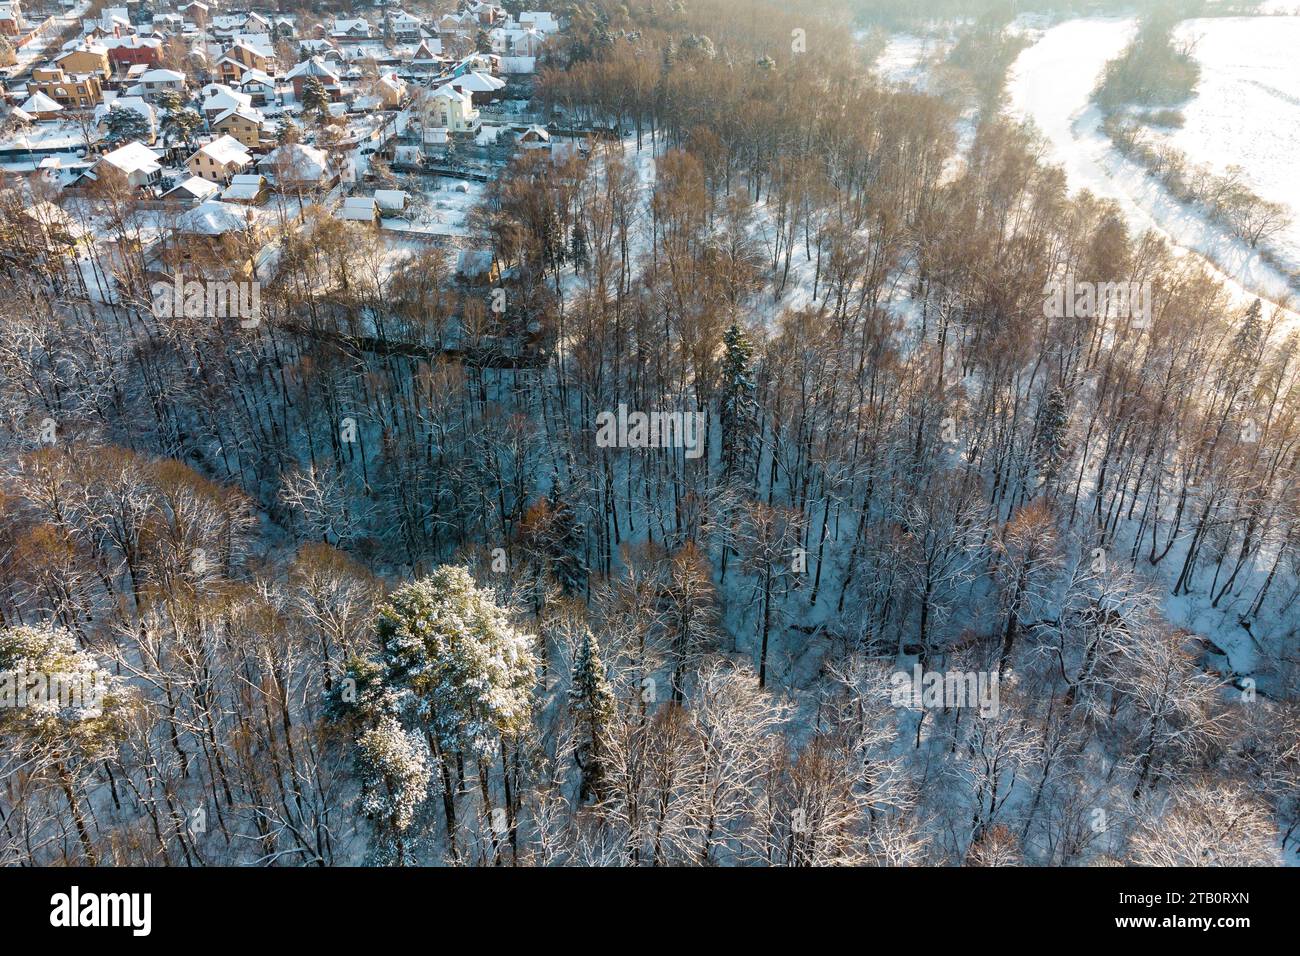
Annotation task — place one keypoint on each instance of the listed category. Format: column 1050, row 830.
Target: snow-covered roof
column 194, row 186
column 162, row 76
column 133, row 157
column 227, row 99
column 391, row 200
column 226, row 150
column 313, row 66
column 213, row 218
column 38, row 102
column 358, row 208
column 302, row 162
column 243, row 188
column 478, row 82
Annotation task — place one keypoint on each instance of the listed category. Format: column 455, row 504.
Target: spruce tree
column 737, row 403
column 591, row 701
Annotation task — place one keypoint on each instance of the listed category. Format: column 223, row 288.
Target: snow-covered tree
column 392, row 765
column 591, row 701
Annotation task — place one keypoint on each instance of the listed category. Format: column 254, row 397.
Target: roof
column 133, row 157
column 38, row 102
column 226, row 150
column 390, row 199
column 161, row 76
column 358, row 207
column 243, row 188
column 303, row 162
column 478, row 82
column 195, row 186
column 227, row 99
column 313, row 66
column 213, row 218
column 252, row 115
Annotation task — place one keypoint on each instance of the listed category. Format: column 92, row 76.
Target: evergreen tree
column 1051, row 444
column 591, row 701
column 737, row 404
column 315, row 98
column 125, row 125
column 578, row 246
column 392, row 765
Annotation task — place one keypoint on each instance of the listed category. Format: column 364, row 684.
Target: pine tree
column 125, row 125
column 1052, row 442
column 591, row 701
column 738, row 420
column 71, row 720
column 315, row 98
column 566, row 538
column 392, row 765
column 578, row 246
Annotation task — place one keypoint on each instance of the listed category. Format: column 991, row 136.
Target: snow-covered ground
column 1051, row 83
column 1246, row 111
column 903, row 59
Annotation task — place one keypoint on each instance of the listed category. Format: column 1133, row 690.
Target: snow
column 1246, row 110
column 1051, row 83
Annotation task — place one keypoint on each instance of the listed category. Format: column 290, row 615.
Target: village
column 218, row 128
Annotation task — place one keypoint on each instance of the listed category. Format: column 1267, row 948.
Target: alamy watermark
column 194, row 299
column 624, row 429
column 1087, row 300
column 79, row 690
column 939, row 689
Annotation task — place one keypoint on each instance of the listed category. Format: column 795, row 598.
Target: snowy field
column 1246, row 111
column 1051, row 83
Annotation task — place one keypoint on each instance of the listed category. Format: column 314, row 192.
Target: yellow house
column 72, row 92
column 92, row 59
column 243, row 125
column 218, row 160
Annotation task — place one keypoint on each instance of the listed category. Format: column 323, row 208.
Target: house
column 404, row 26
column 258, row 86
column 196, row 12
column 247, row 188
column 541, row 20
column 124, row 52
column 191, row 191
column 41, row 107
column 153, row 82
column 91, row 59
column 486, row 13
column 12, row 23
column 296, row 166
column 482, row 87
column 223, row 98
column 315, row 66
column 358, row 29
column 534, row 137
column 136, row 163
column 170, row 24
column 428, row 56
column 390, row 201
column 248, row 56
column 71, row 91
column 454, row 110
column 219, row 237
column 359, row 209
column 244, row 125
column 219, row 160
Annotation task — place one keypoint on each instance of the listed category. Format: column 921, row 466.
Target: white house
column 454, row 110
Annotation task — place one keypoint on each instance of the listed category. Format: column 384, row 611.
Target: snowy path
column 1050, row 83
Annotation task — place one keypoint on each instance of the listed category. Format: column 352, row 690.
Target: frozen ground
column 1051, row 82
column 1246, row 111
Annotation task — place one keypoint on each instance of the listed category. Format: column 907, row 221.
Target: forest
column 359, row 584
